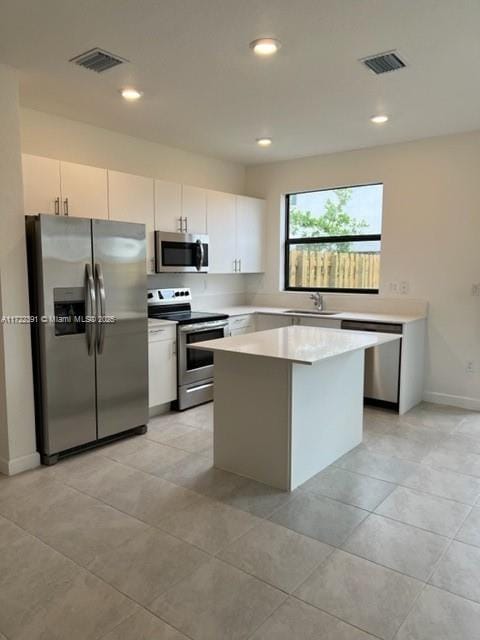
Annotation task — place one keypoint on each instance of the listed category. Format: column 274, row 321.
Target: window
column 333, row 239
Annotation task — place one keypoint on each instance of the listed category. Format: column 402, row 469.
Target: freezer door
column 122, row 345
column 63, row 263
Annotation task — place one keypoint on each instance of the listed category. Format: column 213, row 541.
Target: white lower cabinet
column 240, row 325
column 162, row 365
column 331, row 323
column 265, row 321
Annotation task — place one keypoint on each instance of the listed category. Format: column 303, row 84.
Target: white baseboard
column 463, row 402
column 17, row 465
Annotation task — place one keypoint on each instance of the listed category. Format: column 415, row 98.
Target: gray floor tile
column 459, row 571
column 124, row 447
column 218, row 602
column 144, row 496
column 277, row 555
column 397, row 446
column 296, row 619
column 197, row 473
column 464, row 444
column 439, row 615
column 444, row 483
column 397, row 546
column 352, row 488
column 163, row 433
column 9, row 533
column 81, row 527
column 198, row 441
column 31, row 576
column 470, row 530
column 322, row 518
column 425, row 511
column 362, row 593
column 444, row 458
column 144, row 626
column 154, row 458
column 147, row 565
column 199, row 417
column 257, row 498
column 208, row 524
column 375, row 465
column 86, row 610
column 433, row 415
column 470, row 426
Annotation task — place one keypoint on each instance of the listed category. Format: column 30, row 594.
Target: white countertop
column 366, row 316
column 299, row 344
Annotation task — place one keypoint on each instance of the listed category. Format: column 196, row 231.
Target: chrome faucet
column 317, row 300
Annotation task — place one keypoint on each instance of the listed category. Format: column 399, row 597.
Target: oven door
column 195, row 365
column 181, row 252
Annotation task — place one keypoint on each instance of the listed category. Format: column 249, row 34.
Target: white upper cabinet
column 41, row 184
column 84, row 191
column 221, row 228
column 130, row 199
column 168, row 206
column 194, row 209
column 250, row 234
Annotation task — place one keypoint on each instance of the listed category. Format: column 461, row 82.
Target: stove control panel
column 179, row 295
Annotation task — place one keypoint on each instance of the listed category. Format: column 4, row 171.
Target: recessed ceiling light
column 131, row 94
column 265, row 46
column 264, row 142
column 380, row 119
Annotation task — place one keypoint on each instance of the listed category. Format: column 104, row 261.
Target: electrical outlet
column 404, row 287
column 476, row 289
column 470, row 368
column 393, row 287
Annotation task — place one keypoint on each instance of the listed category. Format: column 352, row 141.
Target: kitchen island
column 289, row 401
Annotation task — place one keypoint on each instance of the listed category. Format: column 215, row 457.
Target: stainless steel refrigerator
column 87, row 283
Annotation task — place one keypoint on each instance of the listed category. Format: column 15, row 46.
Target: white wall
column 431, row 238
column 44, row 134
column 17, row 425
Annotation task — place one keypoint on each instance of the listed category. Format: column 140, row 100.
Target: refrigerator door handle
column 101, row 316
column 90, row 296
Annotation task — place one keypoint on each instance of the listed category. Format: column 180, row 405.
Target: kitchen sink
column 313, row 313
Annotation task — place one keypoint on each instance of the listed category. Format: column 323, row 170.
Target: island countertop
column 297, row 344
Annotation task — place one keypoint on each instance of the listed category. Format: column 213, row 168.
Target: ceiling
column 205, row 91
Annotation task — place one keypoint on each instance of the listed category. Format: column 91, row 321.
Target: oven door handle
column 200, row 254
column 196, row 328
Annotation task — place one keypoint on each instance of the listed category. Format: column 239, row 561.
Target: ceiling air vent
column 97, row 60
column 383, row 62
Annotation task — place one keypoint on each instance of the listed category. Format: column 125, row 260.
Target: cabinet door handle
column 240, row 265
column 174, row 349
column 186, row 225
column 235, row 266
column 57, row 206
column 65, row 207
column 180, row 224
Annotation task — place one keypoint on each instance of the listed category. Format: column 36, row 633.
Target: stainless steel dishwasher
column 382, row 364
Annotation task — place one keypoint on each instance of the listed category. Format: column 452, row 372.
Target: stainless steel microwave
column 181, row 252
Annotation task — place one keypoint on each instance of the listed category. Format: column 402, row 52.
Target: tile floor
column 145, row 540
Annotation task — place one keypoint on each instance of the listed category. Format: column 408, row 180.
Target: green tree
column 334, row 221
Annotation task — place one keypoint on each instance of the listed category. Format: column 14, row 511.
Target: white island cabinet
column 288, row 401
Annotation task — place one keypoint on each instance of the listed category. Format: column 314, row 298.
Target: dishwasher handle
column 378, row 327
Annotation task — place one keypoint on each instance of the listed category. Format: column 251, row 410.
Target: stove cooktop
column 188, row 317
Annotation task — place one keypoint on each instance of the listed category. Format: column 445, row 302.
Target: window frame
column 376, row 237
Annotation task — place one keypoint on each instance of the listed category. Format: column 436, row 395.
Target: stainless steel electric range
column 194, row 367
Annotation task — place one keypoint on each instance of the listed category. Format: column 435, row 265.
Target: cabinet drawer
column 159, row 332
column 242, row 322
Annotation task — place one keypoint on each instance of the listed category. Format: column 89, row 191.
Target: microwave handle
column 200, row 254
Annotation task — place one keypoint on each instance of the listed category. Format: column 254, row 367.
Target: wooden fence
column 343, row 270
